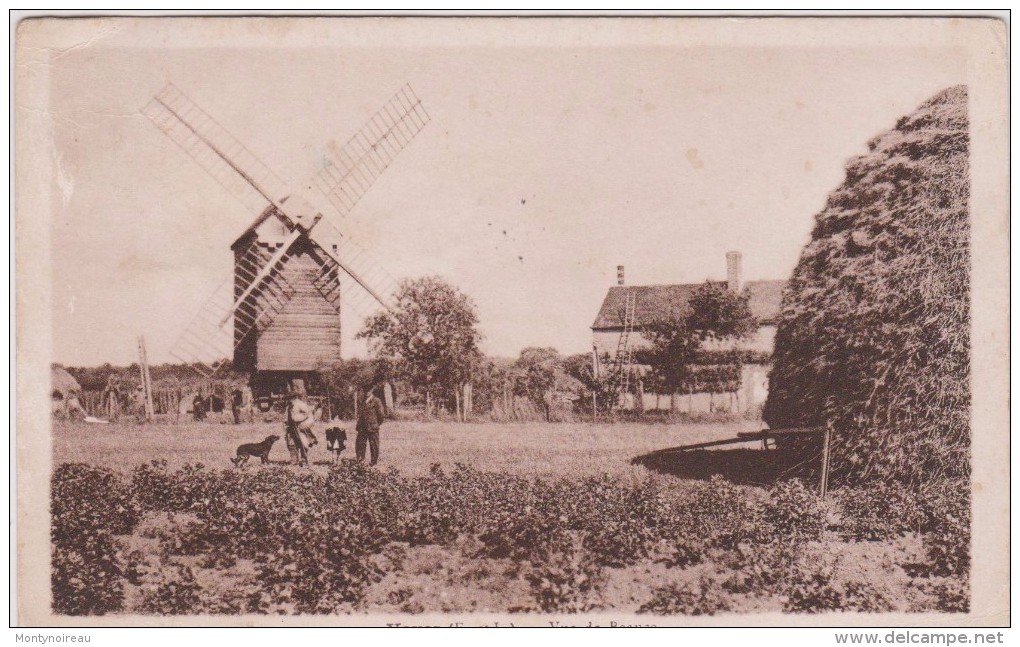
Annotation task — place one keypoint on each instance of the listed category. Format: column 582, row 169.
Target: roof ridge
column 765, row 299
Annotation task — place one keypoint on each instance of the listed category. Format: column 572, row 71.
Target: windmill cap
column 299, row 210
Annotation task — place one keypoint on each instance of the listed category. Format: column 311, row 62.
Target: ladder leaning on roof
column 624, row 354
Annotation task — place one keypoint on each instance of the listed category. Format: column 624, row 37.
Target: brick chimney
column 619, row 274
column 734, row 271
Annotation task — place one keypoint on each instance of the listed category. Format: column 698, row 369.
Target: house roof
column 652, row 300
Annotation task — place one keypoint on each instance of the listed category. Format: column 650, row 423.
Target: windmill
column 278, row 316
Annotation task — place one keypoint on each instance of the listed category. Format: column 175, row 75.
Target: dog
column 336, row 441
column 244, row 452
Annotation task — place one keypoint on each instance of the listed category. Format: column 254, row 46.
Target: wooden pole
column 143, row 367
column 594, row 407
column 823, row 483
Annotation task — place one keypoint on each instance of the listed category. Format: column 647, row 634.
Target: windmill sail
column 347, row 175
column 251, row 301
column 354, row 167
column 215, row 150
column 364, row 283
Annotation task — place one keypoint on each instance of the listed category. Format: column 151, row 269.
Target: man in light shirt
column 300, row 417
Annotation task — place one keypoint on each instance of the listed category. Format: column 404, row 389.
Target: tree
column 580, row 368
column 344, row 381
column 430, row 336
column 672, row 345
column 536, row 376
column 718, row 313
column 713, row 313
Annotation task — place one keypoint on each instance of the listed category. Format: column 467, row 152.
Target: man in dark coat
column 370, row 417
column 236, row 400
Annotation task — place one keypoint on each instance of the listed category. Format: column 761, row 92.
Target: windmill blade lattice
column 353, row 167
column 215, row 149
column 364, row 283
column 207, row 341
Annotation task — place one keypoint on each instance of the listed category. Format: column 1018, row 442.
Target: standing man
column 236, row 400
column 299, row 423
column 198, row 407
column 370, row 417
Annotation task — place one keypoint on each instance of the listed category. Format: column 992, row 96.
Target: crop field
column 463, row 518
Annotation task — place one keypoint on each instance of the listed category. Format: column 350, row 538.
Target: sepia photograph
column 519, row 321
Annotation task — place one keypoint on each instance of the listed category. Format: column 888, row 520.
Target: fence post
column 823, row 483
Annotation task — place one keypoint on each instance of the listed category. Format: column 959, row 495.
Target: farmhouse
column 650, row 301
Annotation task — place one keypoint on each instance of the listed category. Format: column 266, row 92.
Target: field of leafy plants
column 353, row 539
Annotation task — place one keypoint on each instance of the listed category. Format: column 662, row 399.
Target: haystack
column 874, row 331
column 62, row 383
column 65, row 392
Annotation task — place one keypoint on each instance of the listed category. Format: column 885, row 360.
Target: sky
column 554, row 154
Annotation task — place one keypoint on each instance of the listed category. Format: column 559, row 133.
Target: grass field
column 527, row 449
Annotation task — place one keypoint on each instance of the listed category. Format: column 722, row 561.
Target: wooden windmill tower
column 278, row 316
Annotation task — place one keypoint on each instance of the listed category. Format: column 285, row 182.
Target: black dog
column 336, row 441
column 244, row 452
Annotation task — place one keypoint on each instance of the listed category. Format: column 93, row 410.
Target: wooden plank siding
column 305, row 334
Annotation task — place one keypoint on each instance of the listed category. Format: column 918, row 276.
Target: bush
column 318, row 542
column 760, row 568
column 86, row 579
column 88, row 506
column 157, row 489
column 794, row 512
column 687, row 552
column 817, row 590
column 725, row 514
column 176, row 593
column 525, row 537
column 620, row 543
column 948, row 552
column 945, row 595
column 568, row 583
column 83, row 497
column 945, row 507
column 879, row 511
column 701, row 598
column 322, row 570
